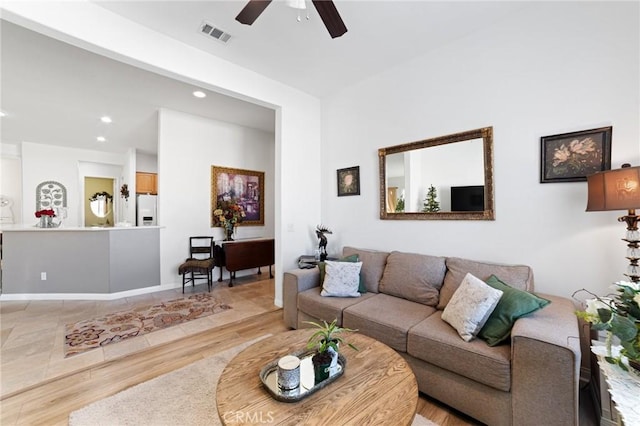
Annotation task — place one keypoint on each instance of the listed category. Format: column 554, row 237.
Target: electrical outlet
column 43, row 276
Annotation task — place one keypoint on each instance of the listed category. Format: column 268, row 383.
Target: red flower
column 45, row 212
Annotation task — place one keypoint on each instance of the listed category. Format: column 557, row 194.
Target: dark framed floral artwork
column 571, row 157
column 349, row 181
column 237, row 186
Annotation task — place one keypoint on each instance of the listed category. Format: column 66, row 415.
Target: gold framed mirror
column 443, row 178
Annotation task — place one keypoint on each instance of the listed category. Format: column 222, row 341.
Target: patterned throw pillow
column 341, row 279
column 470, row 306
column 352, row 258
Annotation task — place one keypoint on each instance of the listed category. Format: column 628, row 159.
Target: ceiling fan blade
column 251, row 11
column 330, row 16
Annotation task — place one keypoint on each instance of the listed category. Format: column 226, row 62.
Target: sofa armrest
column 296, row 281
column 545, row 356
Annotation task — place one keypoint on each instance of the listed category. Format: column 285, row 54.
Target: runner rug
column 185, row 397
column 90, row 334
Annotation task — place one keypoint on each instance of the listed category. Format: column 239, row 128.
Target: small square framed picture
column 571, row 157
column 349, row 181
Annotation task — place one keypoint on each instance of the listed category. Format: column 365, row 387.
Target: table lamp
column 620, row 190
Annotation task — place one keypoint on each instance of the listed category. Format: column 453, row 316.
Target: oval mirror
column 100, row 206
column 444, row 178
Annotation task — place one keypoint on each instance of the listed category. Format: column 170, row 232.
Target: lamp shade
column 614, row 190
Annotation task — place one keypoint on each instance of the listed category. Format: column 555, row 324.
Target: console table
column 238, row 255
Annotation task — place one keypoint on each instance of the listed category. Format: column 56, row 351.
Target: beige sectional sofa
column 531, row 379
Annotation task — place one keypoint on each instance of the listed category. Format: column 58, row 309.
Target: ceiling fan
column 326, row 9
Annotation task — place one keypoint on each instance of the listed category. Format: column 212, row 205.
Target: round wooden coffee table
column 377, row 387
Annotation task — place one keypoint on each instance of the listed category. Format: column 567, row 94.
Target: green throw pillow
column 513, row 304
column 353, row 258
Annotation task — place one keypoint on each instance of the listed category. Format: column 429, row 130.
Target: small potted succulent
column 326, row 342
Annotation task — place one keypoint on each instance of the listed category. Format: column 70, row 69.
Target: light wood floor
column 50, row 401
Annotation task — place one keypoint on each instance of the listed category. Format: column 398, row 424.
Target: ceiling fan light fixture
column 326, row 9
column 297, row 4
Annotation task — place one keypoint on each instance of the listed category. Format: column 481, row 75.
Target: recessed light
column 3, row 114
column 199, row 94
column 105, row 119
column 101, row 139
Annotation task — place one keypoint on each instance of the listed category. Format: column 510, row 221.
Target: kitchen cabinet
column 146, row 183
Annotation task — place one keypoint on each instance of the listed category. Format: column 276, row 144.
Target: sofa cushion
column 373, row 263
column 341, row 279
column 352, row 258
column 326, row 308
column 513, row 304
column 470, row 306
column 435, row 342
column 415, row 277
column 518, row 276
column 386, row 318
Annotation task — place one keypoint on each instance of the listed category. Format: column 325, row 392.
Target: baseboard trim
column 88, row 296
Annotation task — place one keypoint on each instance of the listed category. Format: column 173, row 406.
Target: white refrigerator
column 146, row 210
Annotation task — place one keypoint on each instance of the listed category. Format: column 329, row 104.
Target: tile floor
column 32, row 332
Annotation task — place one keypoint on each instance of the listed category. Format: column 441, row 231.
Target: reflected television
column 467, row 198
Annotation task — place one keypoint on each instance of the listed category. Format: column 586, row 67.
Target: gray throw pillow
column 415, row 277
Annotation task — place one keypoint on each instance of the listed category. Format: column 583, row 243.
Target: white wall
column 127, row 209
column 188, row 146
column 42, row 163
column 146, row 163
column 549, row 69
column 11, row 179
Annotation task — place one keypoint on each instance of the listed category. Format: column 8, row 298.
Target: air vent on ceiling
column 213, row 32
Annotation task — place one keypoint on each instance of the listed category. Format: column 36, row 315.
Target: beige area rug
column 112, row 328
column 185, row 397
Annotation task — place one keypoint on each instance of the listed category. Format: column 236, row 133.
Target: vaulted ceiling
column 55, row 93
column 381, row 35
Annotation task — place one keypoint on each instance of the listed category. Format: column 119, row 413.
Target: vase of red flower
column 46, row 218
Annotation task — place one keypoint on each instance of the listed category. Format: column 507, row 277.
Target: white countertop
column 22, row 228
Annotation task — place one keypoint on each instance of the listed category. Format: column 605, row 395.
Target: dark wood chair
column 200, row 263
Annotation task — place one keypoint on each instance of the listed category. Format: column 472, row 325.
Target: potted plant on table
column 326, row 341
